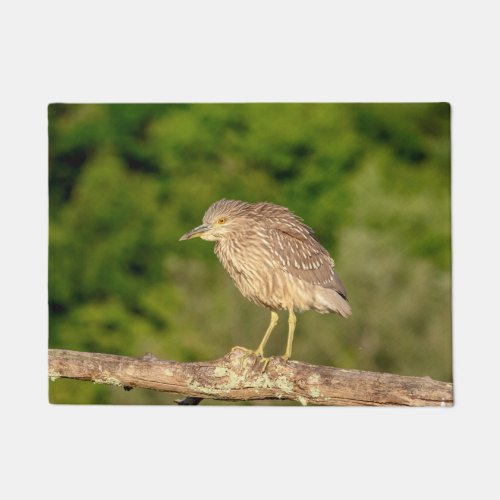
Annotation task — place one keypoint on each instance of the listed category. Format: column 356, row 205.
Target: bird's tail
column 334, row 302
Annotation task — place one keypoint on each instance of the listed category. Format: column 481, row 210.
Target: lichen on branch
column 239, row 377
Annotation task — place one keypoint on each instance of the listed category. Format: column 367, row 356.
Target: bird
column 275, row 260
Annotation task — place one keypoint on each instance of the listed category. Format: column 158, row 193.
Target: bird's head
column 223, row 218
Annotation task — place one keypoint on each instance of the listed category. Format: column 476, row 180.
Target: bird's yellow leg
column 270, row 328
column 260, row 350
column 292, row 321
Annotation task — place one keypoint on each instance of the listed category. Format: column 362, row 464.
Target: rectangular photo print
column 250, row 254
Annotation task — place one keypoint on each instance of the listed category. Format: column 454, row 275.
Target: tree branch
column 226, row 379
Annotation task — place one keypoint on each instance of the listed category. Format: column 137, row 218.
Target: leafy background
column 126, row 180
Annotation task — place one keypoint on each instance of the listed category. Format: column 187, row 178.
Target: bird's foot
column 284, row 358
column 264, row 361
column 258, row 355
column 248, row 353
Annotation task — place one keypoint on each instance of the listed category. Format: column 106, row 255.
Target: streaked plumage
column 273, row 258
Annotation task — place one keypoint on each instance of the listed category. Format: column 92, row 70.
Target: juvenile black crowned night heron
column 275, row 261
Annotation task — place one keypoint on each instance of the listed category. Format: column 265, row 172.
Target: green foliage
column 126, row 181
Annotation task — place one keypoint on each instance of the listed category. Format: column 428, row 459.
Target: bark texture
column 236, row 378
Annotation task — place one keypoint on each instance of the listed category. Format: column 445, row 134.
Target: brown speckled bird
column 275, row 261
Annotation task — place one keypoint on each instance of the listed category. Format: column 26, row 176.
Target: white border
column 224, row 51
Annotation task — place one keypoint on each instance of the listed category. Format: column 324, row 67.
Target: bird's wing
column 297, row 251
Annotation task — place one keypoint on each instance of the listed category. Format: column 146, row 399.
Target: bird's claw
column 258, row 355
column 265, row 361
column 243, row 358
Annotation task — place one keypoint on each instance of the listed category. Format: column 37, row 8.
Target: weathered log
column 238, row 378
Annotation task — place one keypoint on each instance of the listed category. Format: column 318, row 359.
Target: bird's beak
column 195, row 233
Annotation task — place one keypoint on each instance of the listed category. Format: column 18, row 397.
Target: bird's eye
column 221, row 220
